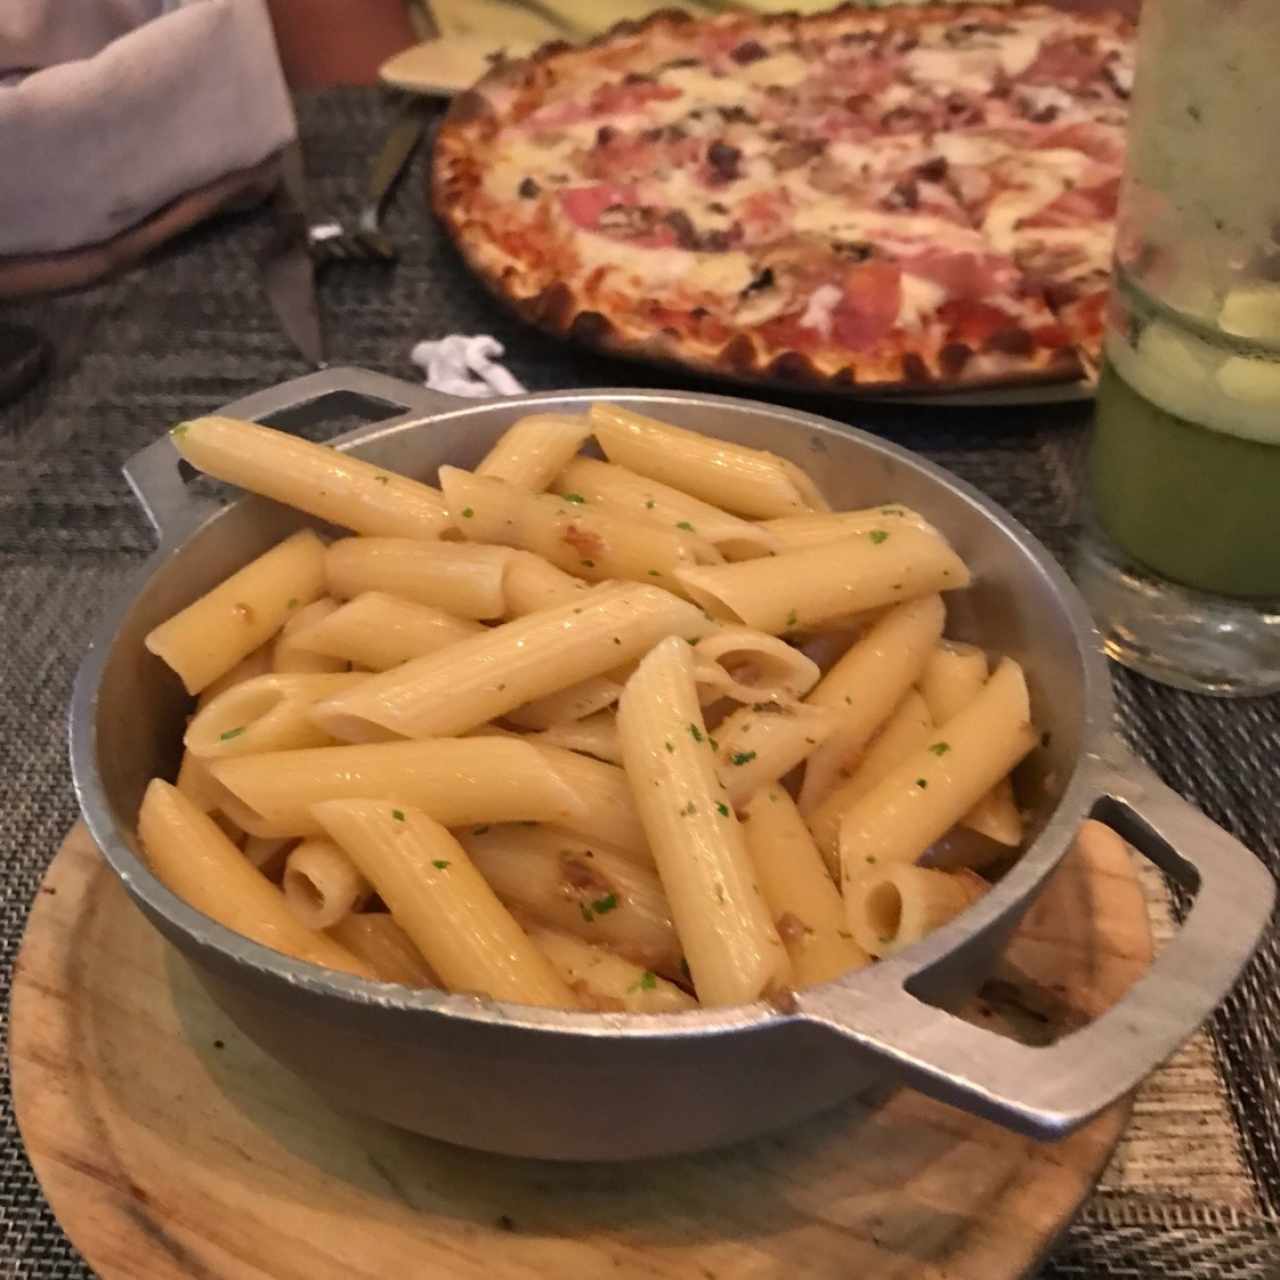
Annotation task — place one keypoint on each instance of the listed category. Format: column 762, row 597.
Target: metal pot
column 565, row 1085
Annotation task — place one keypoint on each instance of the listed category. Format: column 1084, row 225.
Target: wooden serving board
column 172, row 1149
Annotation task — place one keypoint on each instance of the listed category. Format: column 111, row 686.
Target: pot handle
column 156, row 477
column 1046, row 1092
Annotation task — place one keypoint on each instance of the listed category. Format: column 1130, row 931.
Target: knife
column 288, row 272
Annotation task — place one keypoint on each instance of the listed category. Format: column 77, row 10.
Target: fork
column 330, row 241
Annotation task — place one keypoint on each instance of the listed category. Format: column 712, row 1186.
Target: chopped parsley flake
column 684, row 524
column 689, row 810
column 940, row 748
column 722, row 809
column 654, row 573
column 439, row 863
column 712, row 743
column 649, row 506
column 231, row 733
column 586, row 912
column 791, row 618
column 647, row 981
column 871, row 857
column 617, row 639
column 603, row 905
column 694, row 732
column 574, row 497
column 669, row 746
column 590, row 564
column 398, row 814
column 293, row 602
column 742, row 757
column 468, row 512
column 922, row 783
column 877, row 536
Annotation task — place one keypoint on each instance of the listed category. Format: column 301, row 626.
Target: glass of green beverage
column 1180, row 556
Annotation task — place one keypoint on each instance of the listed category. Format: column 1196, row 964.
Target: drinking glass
column 1180, row 554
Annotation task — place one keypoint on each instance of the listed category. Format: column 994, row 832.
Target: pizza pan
column 568, row 1085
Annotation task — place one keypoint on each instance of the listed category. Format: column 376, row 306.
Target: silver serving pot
column 580, row 1086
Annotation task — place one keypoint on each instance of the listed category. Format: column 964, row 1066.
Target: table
column 1193, row 1192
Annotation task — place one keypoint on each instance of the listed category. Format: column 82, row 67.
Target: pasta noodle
column 442, row 902
column 455, row 780
column 210, row 636
column 576, row 702
column 258, row 663
column 795, row 533
column 532, row 451
column 532, row 584
column 595, row 736
column 194, row 859
column 333, row 486
column 321, row 884
column 288, row 658
column 760, row 668
column 807, row 910
column 489, row 675
column 823, row 584
column 605, row 981
column 899, row 904
column 380, row 631
column 659, row 504
column 748, row 482
column 385, row 947
column 759, row 744
column 732, row 948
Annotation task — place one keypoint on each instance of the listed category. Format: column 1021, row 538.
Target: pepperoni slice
column 1074, row 60
column 974, row 323
column 584, row 205
column 622, row 98
column 962, row 275
column 1079, row 207
column 869, row 309
column 1097, row 141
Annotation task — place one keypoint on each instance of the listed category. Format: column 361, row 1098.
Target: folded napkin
column 111, row 109
column 466, row 366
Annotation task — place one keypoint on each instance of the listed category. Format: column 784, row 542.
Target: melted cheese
column 969, row 70
column 647, row 268
column 721, row 273
column 817, row 314
column 1018, row 51
column 920, row 299
column 833, row 217
column 785, row 69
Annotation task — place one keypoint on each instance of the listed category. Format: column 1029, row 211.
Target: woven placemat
column 1193, row 1192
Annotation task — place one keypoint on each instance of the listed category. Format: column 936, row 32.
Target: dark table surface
column 190, row 330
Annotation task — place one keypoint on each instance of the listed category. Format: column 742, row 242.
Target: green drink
column 1180, row 556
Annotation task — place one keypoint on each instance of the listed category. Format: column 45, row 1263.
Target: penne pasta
column 580, row 887
column 457, row 577
column 899, row 904
column 312, row 477
column 584, row 539
column 732, row 948
column 806, row 906
column 748, row 482
column 759, row 744
column 442, row 902
column 384, row 946
column 267, row 853
column 531, row 584
column 488, row 675
column 605, row 981
column 533, row 450
column 267, row 713
column 903, row 814
column 380, row 631
column 196, row 783
column 456, row 780
column 907, row 730
column 595, row 736
column 321, row 884
column 196, row 861
column 288, row 659
column 815, row 529
column 865, row 686
column 576, row 702
column 760, row 668
column 224, row 626
column 258, row 663
column 659, row 504
column 951, row 680
column 808, row 588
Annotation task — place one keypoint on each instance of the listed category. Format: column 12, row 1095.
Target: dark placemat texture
column 190, row 330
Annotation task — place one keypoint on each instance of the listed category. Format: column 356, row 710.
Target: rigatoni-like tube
column 748, row 482
column 576, row 702
column 582, row 538
column 288, row 658
column 457, row 780
column 605, row 981
column 659, row 504
column 800, row 589
column 380, row 631
column 761, row 668
column 732, row 948
column 385, row 947
column 761, row 743
column 899, row 904
column 334, row 486
column 483, row 678
column 460, row 578
column 532, row 584
column 581, row 887
column 321, row 884
column 794, row 533
column 926, row 795
column 534, row 449
column 258, row 663
column 193, row 858
column 207, row 638
column 595, row 736
column 806, row 906
column 442, row 902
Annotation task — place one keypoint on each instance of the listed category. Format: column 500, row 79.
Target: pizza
column 898, row 198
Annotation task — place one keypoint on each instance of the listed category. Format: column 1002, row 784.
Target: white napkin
column 111, row 109
column 466, row 366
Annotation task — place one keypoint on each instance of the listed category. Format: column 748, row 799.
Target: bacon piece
column 584, row 205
